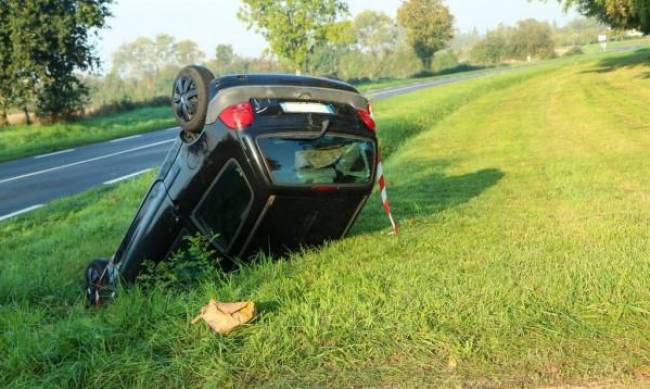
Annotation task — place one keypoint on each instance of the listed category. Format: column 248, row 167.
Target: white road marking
column 36, row 173
column 116, row 180
column 20, row 212
column 54, row 153
column 125, row 138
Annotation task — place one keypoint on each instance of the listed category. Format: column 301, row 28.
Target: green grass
column 596, row 48
column 397, row 82
column 19, row 141
column 524, row 259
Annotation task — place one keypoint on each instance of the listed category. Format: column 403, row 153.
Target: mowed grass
column 19, row 141
column 523, row 260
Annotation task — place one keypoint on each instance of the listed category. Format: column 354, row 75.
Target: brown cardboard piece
column 223, row 318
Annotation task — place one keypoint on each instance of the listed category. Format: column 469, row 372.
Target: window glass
column 224, row 208
column 327, row 160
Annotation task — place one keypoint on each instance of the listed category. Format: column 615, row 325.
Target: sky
column 212, row 22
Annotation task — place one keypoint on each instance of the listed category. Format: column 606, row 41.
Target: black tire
column 101, row 282
column 190, row 97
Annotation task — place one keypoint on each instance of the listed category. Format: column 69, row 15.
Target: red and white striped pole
column 384, row 194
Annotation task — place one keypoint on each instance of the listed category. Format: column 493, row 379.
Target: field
column 19, row 141
column 523, row 260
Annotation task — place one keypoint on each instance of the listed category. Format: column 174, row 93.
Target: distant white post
column 602, row 38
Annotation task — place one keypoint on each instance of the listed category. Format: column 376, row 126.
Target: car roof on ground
column 235, row 80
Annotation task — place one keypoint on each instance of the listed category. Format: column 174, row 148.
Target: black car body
column 281, row 162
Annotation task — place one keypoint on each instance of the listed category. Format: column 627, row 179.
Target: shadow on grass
column 638, row 58
column 426, row 195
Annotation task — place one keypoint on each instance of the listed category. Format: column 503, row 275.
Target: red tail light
column 325, row 189
column 366, row 117
column 238, row 116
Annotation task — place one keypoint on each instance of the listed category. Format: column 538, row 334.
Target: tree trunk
column 28, row 120
column 426, row 62
column 4, row 120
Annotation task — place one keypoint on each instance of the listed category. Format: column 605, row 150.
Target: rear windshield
column 331, row 159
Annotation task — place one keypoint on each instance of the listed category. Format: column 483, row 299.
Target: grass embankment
column 523, row 259
column 19, row 141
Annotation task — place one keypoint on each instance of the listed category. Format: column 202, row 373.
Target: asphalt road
column 30, row 183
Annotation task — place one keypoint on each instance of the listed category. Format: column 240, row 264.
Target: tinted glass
column 327, row 160
column 225, row 207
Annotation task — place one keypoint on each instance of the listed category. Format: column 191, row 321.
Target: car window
column 225, row 206
column 330, row 159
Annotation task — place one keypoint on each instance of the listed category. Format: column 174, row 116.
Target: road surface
column 30, row 183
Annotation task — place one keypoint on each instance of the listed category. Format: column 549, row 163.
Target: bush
column 191, row 265
column 575, row 50
column 460, row 68
column 127, row 105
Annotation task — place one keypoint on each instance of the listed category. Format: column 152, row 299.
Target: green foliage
column 185, row 269
column 224, row 56
column 294, row 29
column 579, row 32
column 429, row 26
column 494, row 48
column 144, row 70
column 50, row 40
column 573, row 51
column 376, row 34
column 6, row 73
column 533, row 39
column 622, row 14
column 529, row 39
column 145, row 57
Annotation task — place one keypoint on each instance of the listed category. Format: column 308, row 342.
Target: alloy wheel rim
column 185, row 98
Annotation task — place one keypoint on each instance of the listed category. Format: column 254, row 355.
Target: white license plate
column 295, row 107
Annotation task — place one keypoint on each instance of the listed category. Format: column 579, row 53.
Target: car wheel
column 190, row 97
column 101, row 281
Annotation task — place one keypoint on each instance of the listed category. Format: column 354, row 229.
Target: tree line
column 43, row 43
column 46, row 54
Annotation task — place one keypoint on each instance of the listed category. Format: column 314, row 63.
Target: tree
column 624, row 14
column 294, row 29
column 429, row 26
column 187, row 52
column 224, row 56
column 579, row 32
column 532, row 38
column 494, row 48
column 145, row 56
column 50, row 42
column 5, row 63
column 376, row 34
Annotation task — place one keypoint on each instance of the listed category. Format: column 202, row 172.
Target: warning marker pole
column 384, row 195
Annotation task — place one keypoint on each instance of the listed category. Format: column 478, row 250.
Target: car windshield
column 330, row 159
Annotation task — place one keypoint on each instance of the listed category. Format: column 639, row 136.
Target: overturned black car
column 263, row 163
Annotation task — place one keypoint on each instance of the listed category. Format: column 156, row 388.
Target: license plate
column 295, row 107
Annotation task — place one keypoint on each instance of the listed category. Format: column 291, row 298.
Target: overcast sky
column 211, row 22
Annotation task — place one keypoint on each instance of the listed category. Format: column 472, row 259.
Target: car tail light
column 366, row 117
column 325, row 189
column 238, row 116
